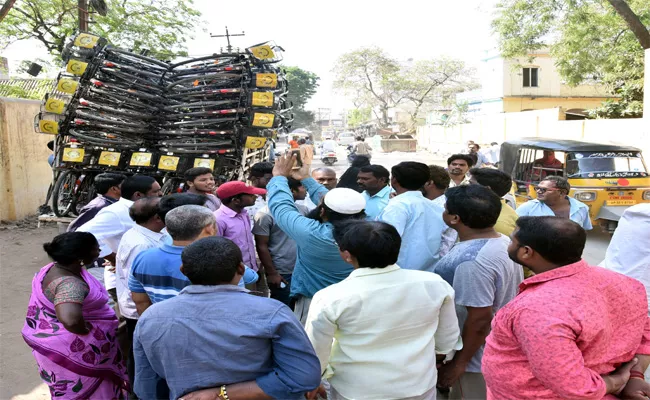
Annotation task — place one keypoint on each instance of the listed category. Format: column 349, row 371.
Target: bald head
column 144, row 210
column 325, row 176
column 557, row 240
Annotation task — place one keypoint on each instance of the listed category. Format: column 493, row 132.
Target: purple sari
column 75, row 366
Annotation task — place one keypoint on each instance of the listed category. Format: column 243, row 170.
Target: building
column 528, row 83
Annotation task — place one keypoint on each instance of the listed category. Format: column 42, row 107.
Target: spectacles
column 544, row 190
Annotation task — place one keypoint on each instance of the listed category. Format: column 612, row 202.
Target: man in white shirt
column 390, row 323
column 113, row 221
column 329, row 145
column 629, row 250
column 144, row 235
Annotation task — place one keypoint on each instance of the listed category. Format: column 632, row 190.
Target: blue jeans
column 282, row 294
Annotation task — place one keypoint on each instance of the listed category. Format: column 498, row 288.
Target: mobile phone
column 298, row 163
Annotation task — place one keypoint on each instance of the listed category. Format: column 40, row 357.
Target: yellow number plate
column 55, row 106
column 47, row 126
column 86, row 40
column 140, row 160
column 73, row 155
column 76, row 67
column 253, row 142
column 263, row 120
column 262, row 99
column 67, row 86
column 621, row 202
column 262, row 52
column 266, row 80
column 168, row 163
column 204, row 163
column 110, row 158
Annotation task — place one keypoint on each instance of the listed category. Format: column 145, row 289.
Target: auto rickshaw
column 608, row 178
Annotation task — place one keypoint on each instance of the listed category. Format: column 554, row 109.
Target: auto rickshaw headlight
column 585, row 196
column 646, row 195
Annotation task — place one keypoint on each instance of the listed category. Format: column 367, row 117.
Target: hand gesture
column 617, row 380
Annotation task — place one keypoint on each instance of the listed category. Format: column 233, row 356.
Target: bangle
column 637, row 375
column 224, row 393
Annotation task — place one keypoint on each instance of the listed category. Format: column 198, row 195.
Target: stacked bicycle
column 115, row 110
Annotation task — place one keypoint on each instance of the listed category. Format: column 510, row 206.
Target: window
column 531, row 77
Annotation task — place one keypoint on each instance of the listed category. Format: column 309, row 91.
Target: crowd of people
column 421, row 282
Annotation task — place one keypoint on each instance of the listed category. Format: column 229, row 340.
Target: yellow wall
column 517, row 104
column 25, row 174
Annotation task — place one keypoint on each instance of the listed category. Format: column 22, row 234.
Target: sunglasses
column 544, row 190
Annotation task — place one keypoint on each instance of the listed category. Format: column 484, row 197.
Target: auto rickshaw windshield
column 605, row 165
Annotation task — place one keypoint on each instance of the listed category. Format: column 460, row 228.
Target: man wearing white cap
column 318, row 262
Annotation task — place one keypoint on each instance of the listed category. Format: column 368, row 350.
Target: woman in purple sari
column 70, row 327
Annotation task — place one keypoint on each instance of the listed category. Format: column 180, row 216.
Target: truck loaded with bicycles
column 116, row 111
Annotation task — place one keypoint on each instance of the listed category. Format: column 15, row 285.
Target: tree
column 131, row 24
column 357, row 116
column 372, row 78
column 302, row 87
column 591, row 40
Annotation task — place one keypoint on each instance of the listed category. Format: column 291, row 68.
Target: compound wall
column 24, row 172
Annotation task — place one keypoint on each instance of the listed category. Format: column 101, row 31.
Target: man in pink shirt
column 571, row 325
column 232, row 218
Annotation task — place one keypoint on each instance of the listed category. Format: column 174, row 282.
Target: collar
column 229, row 212
column 410, row 193
column 574, row 205
column 359, row 272
column 126, row 202
column 110, row 200
column 200, row 289
column 382, row 193
column 557, row 273
column 170, row 248
column 148, row 232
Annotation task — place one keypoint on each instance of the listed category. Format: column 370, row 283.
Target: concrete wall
column 548, row 123
column 25, row 174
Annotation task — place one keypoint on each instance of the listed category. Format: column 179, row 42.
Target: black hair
column 477, row 206
column 144, row 209
column 359, row 161
column 294, row 184
column 359, row 138
column 494, row 144
column 261, row 168
column 560, row 182
column 478, row 147
column 193, row 173
column 211, row 261
column 230, row 199
column 302, row 141
column 377, row 171
column 50, row 145
column 468, row 159
column 411, row 175
column 558, row 240
column 171, row 201
column 136, row 183
column 104, row 182
column 439, row 176
column 498, row 181
column 373, row 244
column 70, row 247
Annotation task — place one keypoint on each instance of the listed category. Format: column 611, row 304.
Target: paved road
column 21, row 256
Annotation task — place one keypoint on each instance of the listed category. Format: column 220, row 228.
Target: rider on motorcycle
column 359, row 148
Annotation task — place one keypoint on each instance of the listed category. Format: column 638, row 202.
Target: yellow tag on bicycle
column 263, row 52
column 262, row 99
column 263, row 120
column 266, row 80
column 168, row 163
column 110, row 158
column 71, row 154
column 253, row 142
column 48, row 126
column 55, row 106
column 67, row 85
column 76, row 67
column 86, row 40
column 140, row 159
column 204, row 163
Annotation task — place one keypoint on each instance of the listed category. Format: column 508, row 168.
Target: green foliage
column 130, row 24
column 588, row 39
column 358, row 116
column 302, row 87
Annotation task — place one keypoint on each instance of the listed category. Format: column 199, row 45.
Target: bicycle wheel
column 172, row 185
column 85, row 192
column 63, row 194
column 115, row 110
column 143, row 61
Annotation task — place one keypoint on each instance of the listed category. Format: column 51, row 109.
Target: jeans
column 282, row 294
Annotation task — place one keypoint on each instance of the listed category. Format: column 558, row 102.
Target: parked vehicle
column 608, row 178
column 346, row 138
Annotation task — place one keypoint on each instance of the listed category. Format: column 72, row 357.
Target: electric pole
column 228, row 36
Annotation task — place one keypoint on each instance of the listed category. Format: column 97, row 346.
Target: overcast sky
column 315, row 36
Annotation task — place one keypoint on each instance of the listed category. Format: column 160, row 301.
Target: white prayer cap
column 345, row 201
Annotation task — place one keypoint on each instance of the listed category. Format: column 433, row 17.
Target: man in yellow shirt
column 500, row 183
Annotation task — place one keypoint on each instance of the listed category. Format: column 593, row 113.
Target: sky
column 315, row 34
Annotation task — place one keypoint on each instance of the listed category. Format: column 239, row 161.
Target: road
column 21, row 256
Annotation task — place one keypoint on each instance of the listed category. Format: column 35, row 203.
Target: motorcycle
column 352, row 155
column 328, row 157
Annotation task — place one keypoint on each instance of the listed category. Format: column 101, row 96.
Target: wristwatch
column 223, row 394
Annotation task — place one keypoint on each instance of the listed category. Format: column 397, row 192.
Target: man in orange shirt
column 294, row 142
